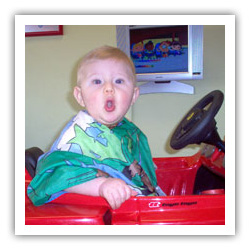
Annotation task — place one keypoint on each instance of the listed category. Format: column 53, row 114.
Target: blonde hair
column 104, row 53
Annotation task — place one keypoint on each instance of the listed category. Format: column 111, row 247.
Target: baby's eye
column 119, row 81
column 97, row 81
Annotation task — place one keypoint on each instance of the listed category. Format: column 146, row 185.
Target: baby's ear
column 78, row 95
column 136, row 95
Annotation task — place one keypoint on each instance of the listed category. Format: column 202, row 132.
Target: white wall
column 51, row 73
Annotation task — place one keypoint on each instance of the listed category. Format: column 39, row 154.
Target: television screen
column 159, row 49
column 163, row 55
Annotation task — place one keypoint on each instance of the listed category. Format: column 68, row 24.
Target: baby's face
column 106, row 91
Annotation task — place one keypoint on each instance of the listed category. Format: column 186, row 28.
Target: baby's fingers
column 113, row 202
column 117, row 197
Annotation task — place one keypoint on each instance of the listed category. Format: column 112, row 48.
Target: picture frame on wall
column 43, row 30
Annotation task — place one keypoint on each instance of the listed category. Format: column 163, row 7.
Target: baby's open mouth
column 109, row 105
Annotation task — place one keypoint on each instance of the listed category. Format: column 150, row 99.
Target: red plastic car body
column 188, row 201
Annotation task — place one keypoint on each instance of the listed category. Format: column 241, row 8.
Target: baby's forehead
column 103, row 60
column 97, row 64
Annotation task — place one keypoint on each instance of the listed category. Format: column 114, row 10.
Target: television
column 163, row 55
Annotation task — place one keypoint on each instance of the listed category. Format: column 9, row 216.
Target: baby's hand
column 115, row 191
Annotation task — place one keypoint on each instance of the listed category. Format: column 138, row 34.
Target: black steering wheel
column 199, row 125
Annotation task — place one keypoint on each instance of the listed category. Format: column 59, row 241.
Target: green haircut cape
column 86, row 150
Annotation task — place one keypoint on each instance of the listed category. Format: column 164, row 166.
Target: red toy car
column 195, row 185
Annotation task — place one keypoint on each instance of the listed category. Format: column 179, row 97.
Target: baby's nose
column 109, row 88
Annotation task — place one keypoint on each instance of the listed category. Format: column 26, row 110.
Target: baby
column 99, row 153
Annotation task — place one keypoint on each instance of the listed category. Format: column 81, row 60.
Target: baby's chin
column 110, row 123
column 110, row 119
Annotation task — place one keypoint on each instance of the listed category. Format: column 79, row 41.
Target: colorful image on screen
column 160, row 50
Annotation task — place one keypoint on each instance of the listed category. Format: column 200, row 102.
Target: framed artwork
column 43, row 30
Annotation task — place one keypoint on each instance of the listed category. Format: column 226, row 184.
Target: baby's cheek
column 91, row 100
